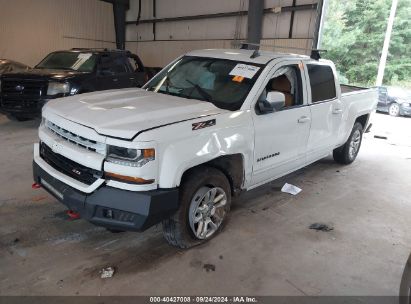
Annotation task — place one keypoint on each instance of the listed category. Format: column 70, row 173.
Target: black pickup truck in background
column 65, row 73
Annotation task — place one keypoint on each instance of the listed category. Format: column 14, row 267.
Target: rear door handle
column 115, row 79
column 337, row 111
column 303, row 119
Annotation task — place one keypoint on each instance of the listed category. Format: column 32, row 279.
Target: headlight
column 129, row 157
column 58, row 88
column 73, row 91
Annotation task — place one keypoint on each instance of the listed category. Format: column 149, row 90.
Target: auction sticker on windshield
column 244, row 70
column 81, row 58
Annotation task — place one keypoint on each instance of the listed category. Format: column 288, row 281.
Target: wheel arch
column 363, row 120
column 232, row 166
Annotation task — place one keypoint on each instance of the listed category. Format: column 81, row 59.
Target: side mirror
column 273, row 102
column 276, row 100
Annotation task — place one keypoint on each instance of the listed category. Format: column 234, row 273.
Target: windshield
column 225, row 83
column 75, row 61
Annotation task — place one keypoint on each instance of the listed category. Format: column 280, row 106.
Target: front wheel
column 394, row 109
column 347, row 153
column 205, row 200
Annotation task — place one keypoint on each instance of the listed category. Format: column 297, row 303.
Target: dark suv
column 65, row 73
column 395, row 101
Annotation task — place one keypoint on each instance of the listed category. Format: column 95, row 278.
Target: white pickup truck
column 211, row 124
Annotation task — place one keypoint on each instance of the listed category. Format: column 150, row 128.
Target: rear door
column 382, row 98
column 114, row 72
column 281, row 137
column 139, row 74
column 326, row 110
column 125, row 72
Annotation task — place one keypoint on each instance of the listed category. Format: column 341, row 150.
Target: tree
column 354, row 35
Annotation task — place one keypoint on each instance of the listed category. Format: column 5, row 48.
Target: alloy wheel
column 394, row 109
column 207, row 211
column 354, row 144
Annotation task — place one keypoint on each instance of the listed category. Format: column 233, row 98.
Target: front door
column 281, row 137
column 113, row 73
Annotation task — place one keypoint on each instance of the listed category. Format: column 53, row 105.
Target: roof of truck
column 244, row 55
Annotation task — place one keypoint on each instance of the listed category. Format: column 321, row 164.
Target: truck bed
column 356, row 101
column 365, row 99
column 345, row 88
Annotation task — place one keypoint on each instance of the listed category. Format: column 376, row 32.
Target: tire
column 347, row 153
column 394, row 109
column 199, row 209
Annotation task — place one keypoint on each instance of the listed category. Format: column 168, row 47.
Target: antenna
column 255, row 54
column 316, row 54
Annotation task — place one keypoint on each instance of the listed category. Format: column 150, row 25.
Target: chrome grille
column 78, row 140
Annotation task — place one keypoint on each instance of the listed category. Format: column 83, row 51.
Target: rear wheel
column 347, row 153
column 205, row 200
column 394, row 109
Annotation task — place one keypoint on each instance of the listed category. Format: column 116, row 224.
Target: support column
column 255, row 22
column 119, row 10
column 384, row 53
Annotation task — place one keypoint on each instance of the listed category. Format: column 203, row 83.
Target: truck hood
column 124, row 113
column 49, row 74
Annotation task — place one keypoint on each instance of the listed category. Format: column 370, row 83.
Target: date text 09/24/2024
column 204, row 299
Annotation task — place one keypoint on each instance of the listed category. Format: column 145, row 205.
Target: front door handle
column 115, row 79
column 304, row 119
column 337, row 111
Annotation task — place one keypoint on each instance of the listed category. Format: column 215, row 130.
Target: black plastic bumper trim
column 112, row 207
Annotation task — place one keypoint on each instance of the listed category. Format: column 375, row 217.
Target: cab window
column 322, row 82
column 113, row 64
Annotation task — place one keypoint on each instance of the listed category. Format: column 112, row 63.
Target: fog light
column 108, row 213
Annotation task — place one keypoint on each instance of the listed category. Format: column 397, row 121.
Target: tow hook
column 35, row 186
column 73, row 215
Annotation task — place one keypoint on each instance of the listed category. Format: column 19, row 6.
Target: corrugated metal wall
column 29, row 29
column 177, row 37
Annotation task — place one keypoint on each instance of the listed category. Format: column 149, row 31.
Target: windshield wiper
column 200, row 90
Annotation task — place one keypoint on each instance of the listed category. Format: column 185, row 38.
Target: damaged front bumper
column 111, row 207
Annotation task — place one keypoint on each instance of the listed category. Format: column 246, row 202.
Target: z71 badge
column 203, row 124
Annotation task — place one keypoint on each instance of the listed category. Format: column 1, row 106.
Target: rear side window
column 322, row 82
column 115, row 64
